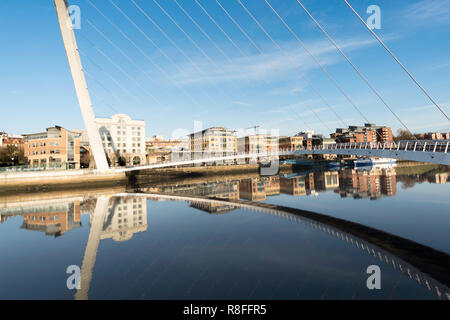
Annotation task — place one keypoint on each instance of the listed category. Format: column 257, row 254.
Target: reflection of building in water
column 368, row 183
column 439, row 178
column 252, row 189
column 325, row 180
column 257, row 189
column 331, row 180
column 223, row 190
column 54, row 219
column 295, row 186
column 127, row 216
column 389, row 182
column 309, row 184
column 228, row 189
column 215, row 208
column 271, row 185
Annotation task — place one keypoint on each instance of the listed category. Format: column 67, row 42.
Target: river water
column 171, row 241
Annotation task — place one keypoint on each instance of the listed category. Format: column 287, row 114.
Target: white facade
column 123, row 136
column 128, row 218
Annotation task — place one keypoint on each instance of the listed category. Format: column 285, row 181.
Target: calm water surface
column 145, row 246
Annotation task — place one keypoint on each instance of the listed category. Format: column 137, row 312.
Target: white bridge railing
column 415, row 150
column 414, row 145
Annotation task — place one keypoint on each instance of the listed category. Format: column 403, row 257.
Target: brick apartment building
column 367, row 133
column 54, row 148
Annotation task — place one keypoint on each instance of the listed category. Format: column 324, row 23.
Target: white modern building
column 123, row 139
column 2, row 136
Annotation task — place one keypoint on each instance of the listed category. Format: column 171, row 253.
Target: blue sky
column 224, row 88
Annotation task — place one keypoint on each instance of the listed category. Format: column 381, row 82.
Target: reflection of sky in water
column 182, row 252
column 421, row 214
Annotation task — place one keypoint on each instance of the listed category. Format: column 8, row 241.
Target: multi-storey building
column 123, row 139
column 55, row 148
column 291, row 143
column 384, row 134
column 216, row 141
column 257, row 143
column 3, row 135
column 16, row 141
column 367, row 133
column 159, row 143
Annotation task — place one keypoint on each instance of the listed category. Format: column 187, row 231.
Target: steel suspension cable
column 318, row 63
column 144, row 54
column 121, row 70
column 160, row 51
column 246, row 56
column 398, row 61
column 227, row 57
column 120, row 50
column 199, row 48
column 321, row 66
column 195, row 65
column 112, row 78
column 268, row 61
column 294, row 65
column 98, row 97
column 104, row 88
column 273, row 66
column 355, row 68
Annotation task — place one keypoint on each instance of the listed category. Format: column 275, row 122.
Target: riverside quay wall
column 53, row 180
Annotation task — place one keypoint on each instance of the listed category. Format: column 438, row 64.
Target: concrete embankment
column 62, row 180
column 58, row 180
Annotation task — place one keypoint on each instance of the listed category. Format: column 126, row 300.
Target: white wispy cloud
column 444, row 106
column 256, row 68
column 440, row 66
column 241, row 103
column 430, row 11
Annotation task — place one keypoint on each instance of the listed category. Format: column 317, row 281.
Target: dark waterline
column 158, row 248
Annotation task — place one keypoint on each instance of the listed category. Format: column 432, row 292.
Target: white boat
column 374, row 162
column 377, row 161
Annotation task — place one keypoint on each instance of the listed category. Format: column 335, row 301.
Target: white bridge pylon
column 422, row 151
column 81, row 88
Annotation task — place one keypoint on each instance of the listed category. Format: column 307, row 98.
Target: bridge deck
column 420, row 150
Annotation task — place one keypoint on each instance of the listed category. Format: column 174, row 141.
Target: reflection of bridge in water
column 425, row 265
column 372, row 183
column 119, row 216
